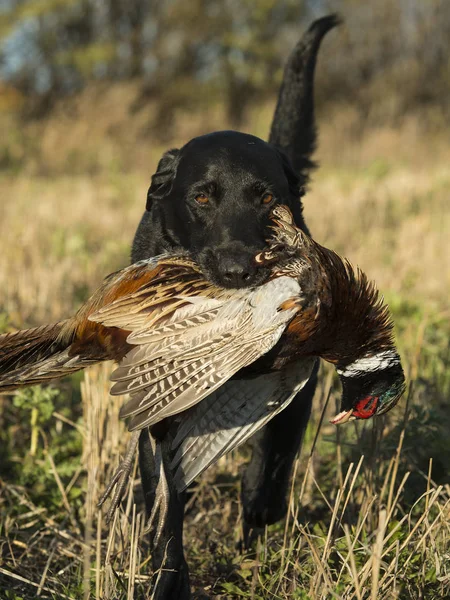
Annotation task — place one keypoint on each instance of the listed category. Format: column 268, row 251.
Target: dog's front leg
column 171, row 578
column 266, row 479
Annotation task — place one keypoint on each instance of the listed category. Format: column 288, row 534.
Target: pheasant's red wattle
column 366, row 407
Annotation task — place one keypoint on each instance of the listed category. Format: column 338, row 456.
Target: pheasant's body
column 221, row 361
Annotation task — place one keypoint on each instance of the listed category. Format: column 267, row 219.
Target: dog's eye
column 201, row 199
column 267, row 199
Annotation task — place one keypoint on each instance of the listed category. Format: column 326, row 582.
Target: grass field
column 369, row 509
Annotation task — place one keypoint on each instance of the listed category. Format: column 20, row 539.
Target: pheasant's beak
column 343, row 417
column 273, row 254
column 266, row 257
column 363, row 409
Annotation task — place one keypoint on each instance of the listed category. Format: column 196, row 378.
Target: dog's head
column 213, row 197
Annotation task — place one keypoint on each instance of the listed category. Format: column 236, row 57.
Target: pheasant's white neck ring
column 370, row 364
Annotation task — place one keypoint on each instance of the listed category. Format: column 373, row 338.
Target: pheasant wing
column 231, row 415
column 198, row 338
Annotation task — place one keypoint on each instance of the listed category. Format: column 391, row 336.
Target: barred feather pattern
column 33, row 356
column 230, row 415
column 182, row 358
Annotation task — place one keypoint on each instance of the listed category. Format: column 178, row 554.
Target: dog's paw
column 257, row 514
column 261, row 510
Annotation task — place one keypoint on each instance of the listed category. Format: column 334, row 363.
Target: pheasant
column 222, row 362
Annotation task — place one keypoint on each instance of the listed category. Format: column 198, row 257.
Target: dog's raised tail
column 32, row 356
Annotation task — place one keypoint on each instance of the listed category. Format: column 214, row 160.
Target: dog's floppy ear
column 163, row 179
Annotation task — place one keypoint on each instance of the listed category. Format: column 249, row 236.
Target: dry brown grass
column 358, row 544
column 369, row 506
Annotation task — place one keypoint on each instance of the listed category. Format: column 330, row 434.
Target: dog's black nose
column 236, row 271
column 236, row 275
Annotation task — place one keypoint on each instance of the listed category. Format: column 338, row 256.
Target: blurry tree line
column 184, row 53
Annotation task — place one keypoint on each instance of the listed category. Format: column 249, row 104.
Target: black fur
column 235, row 171
column 293, row 127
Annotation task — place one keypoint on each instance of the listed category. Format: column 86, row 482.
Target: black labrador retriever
column 213, row 197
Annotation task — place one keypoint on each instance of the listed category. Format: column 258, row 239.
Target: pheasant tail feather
column 32, row 356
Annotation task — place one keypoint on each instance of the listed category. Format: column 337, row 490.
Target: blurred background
column 92, row 92
column 131, row 66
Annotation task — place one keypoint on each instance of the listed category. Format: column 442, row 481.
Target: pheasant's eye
column 267, row 199
column 201, row 199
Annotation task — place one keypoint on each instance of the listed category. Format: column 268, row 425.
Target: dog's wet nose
column 235, row 275
column 237, row 271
